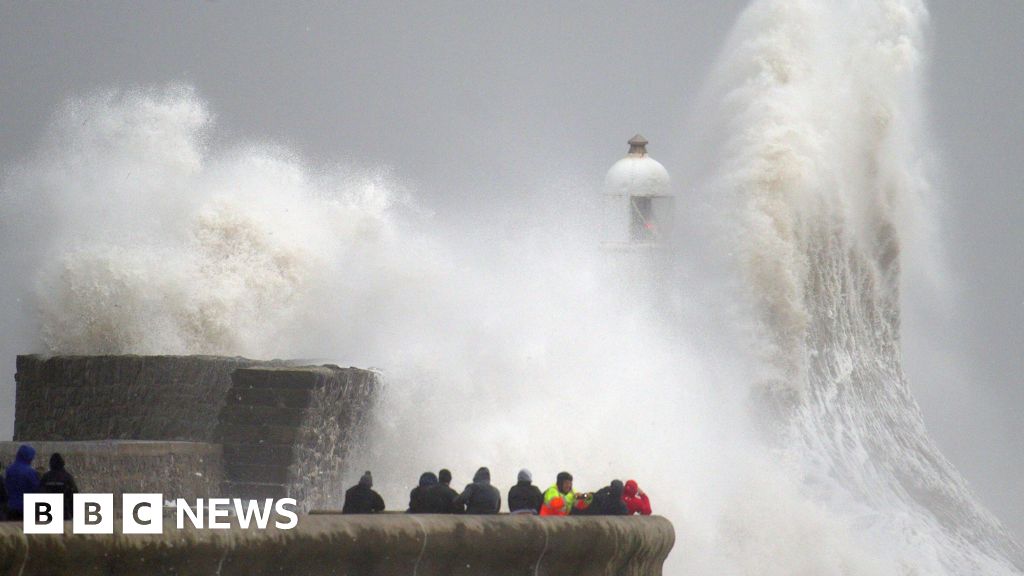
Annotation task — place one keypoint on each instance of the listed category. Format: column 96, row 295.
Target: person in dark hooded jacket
column 361, row 499
column 19, row 480
column 524, row 497
column 444, row 493
column 607, row 502
column 418, row 498
column 479, row 497
column 60, row 481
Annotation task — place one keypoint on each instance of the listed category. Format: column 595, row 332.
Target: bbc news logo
column 144, row 513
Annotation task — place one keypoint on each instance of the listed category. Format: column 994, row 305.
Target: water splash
column 825, row 171
column 144, row 241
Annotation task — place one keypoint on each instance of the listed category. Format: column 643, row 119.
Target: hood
column 427, row 479
column 56, row 462
column 617, row 488
column 483, row 475
column 630, row 489
column 26, row 454
column 524, row 476
column 366, row 479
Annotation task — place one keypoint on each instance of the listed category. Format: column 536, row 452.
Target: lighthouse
column 638, row 204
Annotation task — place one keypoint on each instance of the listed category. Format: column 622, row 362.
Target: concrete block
column 257, row 434
column 261, row 454
column 259, row 473
column 253, row 490
column 268, row 397
column 136, row 397
column 246, row 414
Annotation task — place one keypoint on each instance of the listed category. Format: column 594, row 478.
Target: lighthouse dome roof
column 637, row 174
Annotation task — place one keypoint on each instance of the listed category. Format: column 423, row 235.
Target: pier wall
column 380, row 545
column 121, row 397
column 187, row 470
column 289, row 431
column 195, row 426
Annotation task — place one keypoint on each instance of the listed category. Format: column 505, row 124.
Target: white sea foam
column 823, row 169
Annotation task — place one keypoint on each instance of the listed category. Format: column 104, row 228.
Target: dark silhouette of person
column 445, row 493
column 607, row 502
column 524, row 497
column 419, row 500
column 479, row 497
column 59, row 481
column 361, row 499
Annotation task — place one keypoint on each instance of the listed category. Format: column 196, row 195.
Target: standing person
column 60, row 481
column 361, row 499
column 608, row 501
column 636, row 500
column 479, row 497
column 19, row 480
column 524, row 497
column 559, row 499
column 419, row 498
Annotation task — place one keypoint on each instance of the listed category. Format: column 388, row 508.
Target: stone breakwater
column 186, row 470
column 380, row 545
column 288, row 431
column 122, row 397
column 195, row 426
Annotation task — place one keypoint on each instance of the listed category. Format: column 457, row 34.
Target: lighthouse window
column 643, row 227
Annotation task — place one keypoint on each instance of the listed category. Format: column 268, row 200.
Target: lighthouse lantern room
column 638, row 204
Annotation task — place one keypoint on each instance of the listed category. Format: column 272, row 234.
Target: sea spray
column 525, row 352
column 823, row 166
column 143, row 241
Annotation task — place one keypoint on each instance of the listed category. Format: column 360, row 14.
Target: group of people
column 21, row 478
column 434, row 495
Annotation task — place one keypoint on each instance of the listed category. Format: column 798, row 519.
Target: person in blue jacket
column 19, row 480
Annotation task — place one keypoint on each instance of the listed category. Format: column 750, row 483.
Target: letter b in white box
column 142, row 513
column 44, row 514
column 94, row 514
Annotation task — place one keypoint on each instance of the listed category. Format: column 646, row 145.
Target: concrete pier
column 378, row 545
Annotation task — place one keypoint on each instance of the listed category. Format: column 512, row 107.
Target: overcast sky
column 460, row 96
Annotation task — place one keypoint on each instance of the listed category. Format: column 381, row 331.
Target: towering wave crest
column 824, row 166
column 795, row 451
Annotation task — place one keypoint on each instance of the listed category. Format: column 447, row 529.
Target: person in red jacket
column 636, row 500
